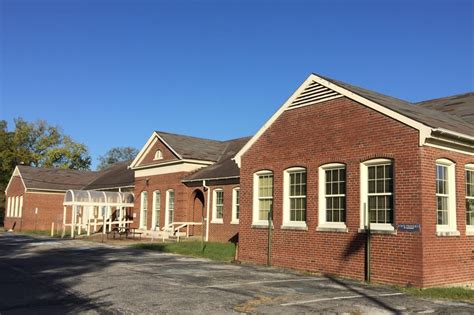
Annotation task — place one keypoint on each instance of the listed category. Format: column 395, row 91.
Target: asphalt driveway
column 41, row 275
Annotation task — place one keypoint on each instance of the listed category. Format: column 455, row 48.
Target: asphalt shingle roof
column 225, row 167
column 461, row 105
column 194, row 148
column 431, row 116
column 55, row 179
column 116, row 175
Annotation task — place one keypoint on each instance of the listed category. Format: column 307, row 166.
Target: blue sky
column 110, row 72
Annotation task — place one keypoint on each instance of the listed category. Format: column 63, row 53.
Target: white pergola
column 92, row 208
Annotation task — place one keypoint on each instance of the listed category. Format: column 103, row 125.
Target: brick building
column 336, row 161
column 35, row 195
column 337, row 166
column 180, row 181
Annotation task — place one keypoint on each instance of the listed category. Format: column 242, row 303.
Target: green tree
column 37, row 144
column 114, row 155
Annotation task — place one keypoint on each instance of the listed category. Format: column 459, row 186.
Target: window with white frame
column 9, row 206
column 470, row 197
column 218, row 206
column 156, row 210
column 143, row 209
column 158, row 155
column 377, row 194
column 235, row 205
column 169, row 218
column 294, row 194
column 332, row 195
column 445, row 196
column 20, row 207
column 262, row 197
column 17, row 206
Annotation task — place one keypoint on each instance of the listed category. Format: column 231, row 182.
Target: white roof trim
column 147, row 147
column 424, row 130
column 16, row 172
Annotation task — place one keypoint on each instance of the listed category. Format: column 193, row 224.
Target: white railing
column 180, row 225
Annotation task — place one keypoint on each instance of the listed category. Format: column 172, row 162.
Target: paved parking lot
column 42, row 275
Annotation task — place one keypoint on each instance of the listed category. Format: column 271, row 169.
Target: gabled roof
column 461, row 105
column 183, row 147
column 225, row 167
column 115, row 176
column 194, row 148
column 430, row 122
column 54, row 179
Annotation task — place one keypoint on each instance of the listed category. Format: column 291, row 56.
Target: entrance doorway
column 198, row 212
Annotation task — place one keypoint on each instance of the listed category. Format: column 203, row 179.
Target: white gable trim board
column 316, row 90
column 147, row 147
column 16, row 172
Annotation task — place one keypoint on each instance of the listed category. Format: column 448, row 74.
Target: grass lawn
column 214, row 251
column 455, row 294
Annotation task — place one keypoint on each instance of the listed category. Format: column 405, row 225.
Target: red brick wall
column 223, row 232
column 15, row 189
column 184, row 200
column 162, row 183
column 341, row 131
column 50, row 208
column 446, row 259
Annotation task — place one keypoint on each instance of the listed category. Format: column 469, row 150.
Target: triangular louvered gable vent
column 314, row 93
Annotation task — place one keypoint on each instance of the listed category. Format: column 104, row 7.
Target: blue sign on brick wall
column 415, row 227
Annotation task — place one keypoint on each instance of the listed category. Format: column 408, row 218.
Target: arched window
column 158, row 155
column 262, row 196
column 469, row 174
column 143, row 209
column 332, row 196
column 294, row 194
column 218, row 206
column 235, row 205
column 156, row 210
column 445, row 196
column 376, row 182
column 169, row 218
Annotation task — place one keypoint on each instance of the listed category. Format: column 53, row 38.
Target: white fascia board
column 424, row 131
column 46, row 192
column 164, row 164
column 238, row 156
column 144, row 150
column 16, row 172
column 173, row 168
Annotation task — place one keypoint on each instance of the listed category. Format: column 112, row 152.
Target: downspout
column 207, row 207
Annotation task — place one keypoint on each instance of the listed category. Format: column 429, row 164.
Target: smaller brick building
column 35, row 195
column 182, row 181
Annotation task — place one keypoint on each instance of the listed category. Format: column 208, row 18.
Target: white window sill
column 217, row 221
column 234, row 222
column 332, row 228
column 469, row 231
column 448, row 233
column 294, row 227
